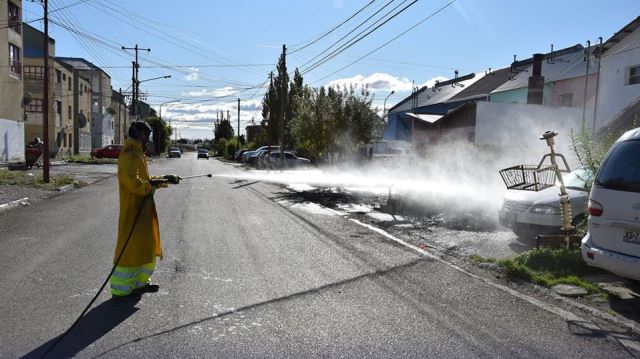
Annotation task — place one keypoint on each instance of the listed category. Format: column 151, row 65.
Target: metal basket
column 529, row 177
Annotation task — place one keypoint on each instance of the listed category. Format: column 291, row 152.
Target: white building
column 11, row 84
column 619, row 80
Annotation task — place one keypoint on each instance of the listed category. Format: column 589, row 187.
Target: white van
column 613, row 238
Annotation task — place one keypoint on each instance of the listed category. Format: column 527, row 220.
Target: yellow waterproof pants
column 126, row 279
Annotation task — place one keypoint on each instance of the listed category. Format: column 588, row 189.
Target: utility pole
column 120, row 129
column 587, row 57
column 135, row 81
column 595, row 100
column 45, row 102
column 238, row 134
column 269, row 117
column 282, row 108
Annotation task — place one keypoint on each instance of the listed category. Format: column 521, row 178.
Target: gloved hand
column 159, row 183
column 173, row 179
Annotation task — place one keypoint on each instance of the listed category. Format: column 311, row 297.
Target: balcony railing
column 15, row 24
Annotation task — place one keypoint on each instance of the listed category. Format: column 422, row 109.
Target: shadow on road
column 371, row 275
column 93, row 326
column 243, row 184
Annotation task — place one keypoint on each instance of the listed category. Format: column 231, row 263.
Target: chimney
column 536, row 82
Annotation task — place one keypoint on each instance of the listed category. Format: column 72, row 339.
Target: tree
column 223, row 130
column 161, row 133
column 334, row 122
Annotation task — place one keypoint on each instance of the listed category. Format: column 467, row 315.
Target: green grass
column 88, row 160
column 20, row 178
column 549, row 267
column 474, row 258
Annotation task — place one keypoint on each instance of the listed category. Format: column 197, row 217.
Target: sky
column 219, row 51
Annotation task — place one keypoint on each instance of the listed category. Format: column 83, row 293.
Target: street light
column 137, row 92
column 164, row 103
column 384, row 107
column 155, row 78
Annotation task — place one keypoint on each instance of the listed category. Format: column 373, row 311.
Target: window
column 15, row 23
column 621, row 169
column 69, row 84
column 58, row 76
column 58, row 109
column 64, row 77
column 34, row 72
column 566, row 100
column 634, row 75
column 70, row 140
column 35, row 105
column 69, row 116
column 14, row 59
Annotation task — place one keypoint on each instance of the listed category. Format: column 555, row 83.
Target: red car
column 111, row 151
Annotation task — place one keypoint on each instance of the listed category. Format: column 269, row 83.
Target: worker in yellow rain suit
column 138, row 218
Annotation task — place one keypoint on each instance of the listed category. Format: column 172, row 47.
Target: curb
column 12, row 204
column 65, row 188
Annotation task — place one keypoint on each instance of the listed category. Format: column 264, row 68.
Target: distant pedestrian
column 138, row 218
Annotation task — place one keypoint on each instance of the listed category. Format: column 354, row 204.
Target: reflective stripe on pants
column 126, row 279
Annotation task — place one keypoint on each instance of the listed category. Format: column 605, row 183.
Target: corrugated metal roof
column 433, row 95
column 425, row 118
column 484, row 86
column 559, row 68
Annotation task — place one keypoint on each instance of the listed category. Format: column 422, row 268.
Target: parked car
column 612, row 241
column 203, row 153
column 530, row 213
column 174, row 152
column 238, row 153
column 253, row 159
column 246, row 155
column 111, row 151
column 274, row 160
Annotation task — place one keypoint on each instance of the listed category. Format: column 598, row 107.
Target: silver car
column 530, row 213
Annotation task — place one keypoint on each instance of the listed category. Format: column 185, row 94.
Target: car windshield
column 577, row 179
column 621, row 168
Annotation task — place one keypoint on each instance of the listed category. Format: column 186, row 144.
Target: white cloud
column 224, row 91
column 194, row 75
column 198, row 118
column 382, row 82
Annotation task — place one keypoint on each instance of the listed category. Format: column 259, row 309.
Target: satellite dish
column 81, row 120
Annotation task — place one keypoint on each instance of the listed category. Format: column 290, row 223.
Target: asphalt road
column 247, row 275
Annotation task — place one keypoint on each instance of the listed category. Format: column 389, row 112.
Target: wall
column 64, row 93
column 11, row 91
column 613, row 94
column 575, row 86
column 11, row 141
column 519, row 95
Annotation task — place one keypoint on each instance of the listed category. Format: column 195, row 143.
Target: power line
column 349, row 33
column 393, row 39
column 68, row 6
column 333, row 29
column 347, row 46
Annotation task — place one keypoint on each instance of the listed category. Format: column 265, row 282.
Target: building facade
column 619, row 80
column 120, row 113
column 33, row 73
column 11, row 82
column 102, row 122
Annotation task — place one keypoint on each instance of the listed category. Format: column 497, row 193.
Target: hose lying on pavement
column 135, row 221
